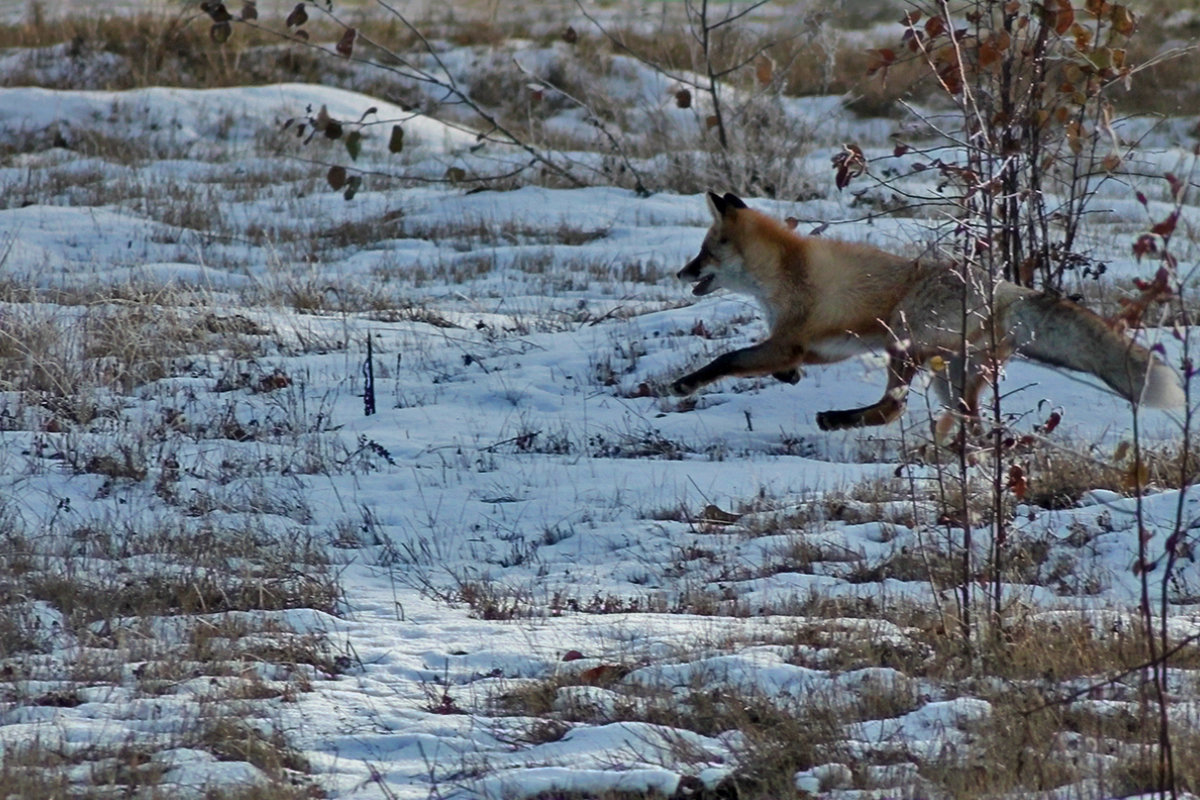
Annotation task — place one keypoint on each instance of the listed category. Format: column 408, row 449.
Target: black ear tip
column 733, row 201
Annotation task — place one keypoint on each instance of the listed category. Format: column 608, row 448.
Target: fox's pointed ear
column 720, row 206
column 716, row 204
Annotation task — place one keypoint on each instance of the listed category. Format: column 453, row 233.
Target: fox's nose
column 692, row 268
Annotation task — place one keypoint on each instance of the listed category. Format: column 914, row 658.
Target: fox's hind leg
column 966, row 378
column 902, row 368
column 949, row 385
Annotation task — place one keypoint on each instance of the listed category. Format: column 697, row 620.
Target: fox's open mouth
column 704, row 285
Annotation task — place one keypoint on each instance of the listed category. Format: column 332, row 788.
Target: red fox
column 827, row 300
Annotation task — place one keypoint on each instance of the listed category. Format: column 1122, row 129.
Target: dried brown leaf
column 298, row 17
column 764, row 70
column 216, row 12
column 345, row 45
column 396, row 140
column 1062, row 15
column 336, row 177
column 1123, row 20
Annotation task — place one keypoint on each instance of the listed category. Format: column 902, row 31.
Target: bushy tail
column 1059, row 332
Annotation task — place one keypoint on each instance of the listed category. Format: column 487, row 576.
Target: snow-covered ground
column 525, row 508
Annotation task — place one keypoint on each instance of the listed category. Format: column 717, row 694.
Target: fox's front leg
column 765, row 358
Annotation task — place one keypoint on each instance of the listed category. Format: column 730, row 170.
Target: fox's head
column 718, row 265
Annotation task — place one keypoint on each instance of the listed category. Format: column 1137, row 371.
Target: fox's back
column 854, row 286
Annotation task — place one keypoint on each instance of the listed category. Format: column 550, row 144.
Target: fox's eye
column 723, row 240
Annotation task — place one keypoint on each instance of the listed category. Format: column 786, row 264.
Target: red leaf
column 1167, row 226
column 951, row 75
column 1144, row 245
column 988, row 54
column 880, row 60
column 1177, row 186
column 849, row 163
column 1017, row 482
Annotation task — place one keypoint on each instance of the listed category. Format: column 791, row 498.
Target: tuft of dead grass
column 1033, row 736
column 68, row 348
column 154, row 606
column 1058, row 478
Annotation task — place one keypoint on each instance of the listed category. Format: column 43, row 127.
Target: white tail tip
column 1162, row 389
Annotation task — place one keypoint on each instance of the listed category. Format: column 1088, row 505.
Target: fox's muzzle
column 691, row 270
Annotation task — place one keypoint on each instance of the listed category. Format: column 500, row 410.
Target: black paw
column 682, row 388
column 837, row 420
column 787, row 375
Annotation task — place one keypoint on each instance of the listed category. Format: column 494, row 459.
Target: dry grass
column 1032, row 738
column 1055, row 747
column 1058, row 478
column 164, row 48
column 68, row 347
column 776, row 739
column 41, row 769
column 811, row 57
column 182, row 601
column 1039, row 733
